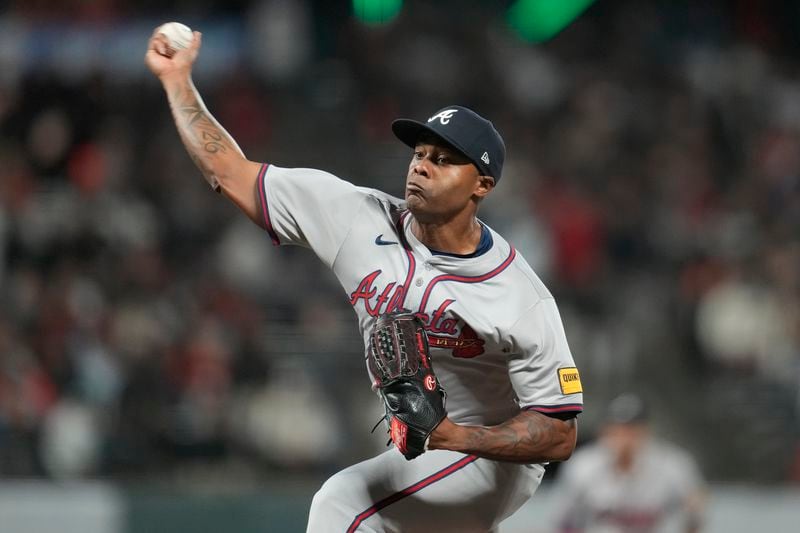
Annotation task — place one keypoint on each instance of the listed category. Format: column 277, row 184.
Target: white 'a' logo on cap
column 443, row 116
column 485, row 157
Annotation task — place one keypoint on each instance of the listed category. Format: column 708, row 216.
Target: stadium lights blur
column 539, row 20
column 376, row 12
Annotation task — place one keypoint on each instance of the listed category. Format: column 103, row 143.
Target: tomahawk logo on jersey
column 495, row 333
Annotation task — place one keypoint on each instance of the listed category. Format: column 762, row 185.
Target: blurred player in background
column 628, row 481
column 497, row 341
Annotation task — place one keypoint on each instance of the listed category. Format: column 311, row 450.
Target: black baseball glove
column 399, row 360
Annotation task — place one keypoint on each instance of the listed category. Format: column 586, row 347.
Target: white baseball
column 179, row 36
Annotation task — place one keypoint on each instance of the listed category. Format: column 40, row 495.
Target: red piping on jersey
column 466, row 279
column 412, row 266
column 565, row 408
column 401, row 232
column 408, row 491
column 412, row 263
column 261, row 180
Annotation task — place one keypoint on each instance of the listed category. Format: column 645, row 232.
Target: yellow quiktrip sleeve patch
column 570, row 380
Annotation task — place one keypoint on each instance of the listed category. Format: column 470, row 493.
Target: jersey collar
column 491, row 250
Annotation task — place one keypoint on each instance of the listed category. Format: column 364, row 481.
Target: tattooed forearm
column 212, row 149
column 202, row 127
column 208, row 144
column 529, row 437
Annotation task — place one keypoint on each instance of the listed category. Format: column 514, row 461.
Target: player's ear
column 484, row 186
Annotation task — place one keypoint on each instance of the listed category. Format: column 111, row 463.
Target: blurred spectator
column 629, row 481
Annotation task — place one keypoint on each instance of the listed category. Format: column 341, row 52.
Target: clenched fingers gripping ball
column 179, row 36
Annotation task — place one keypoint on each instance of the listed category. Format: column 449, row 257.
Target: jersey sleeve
column 308, row 207
column 541, row 368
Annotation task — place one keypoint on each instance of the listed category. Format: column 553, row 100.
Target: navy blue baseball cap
column 466, row 131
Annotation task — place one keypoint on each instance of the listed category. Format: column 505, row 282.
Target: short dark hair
column 627, row 408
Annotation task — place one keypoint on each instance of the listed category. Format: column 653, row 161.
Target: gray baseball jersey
column 497, row 342
column 652, row 497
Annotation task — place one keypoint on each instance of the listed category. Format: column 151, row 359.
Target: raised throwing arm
column 211, row 148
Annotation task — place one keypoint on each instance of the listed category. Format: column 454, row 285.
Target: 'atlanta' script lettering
column 378, row 301
column 390, row 299
column 443, row 332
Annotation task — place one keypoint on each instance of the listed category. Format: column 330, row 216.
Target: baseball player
column 628, row 481
column 496, row 338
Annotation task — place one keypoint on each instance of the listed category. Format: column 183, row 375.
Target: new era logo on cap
column 465, row 130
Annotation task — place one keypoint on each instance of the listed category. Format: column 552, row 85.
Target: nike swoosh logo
column 380, row 242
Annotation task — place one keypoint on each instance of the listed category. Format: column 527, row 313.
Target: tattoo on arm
column 204, row 139
column 214, row 143
column 528, row 437
column 196, row 120
column 193, row 113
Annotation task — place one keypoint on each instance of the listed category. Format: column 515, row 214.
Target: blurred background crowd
column 149, row 331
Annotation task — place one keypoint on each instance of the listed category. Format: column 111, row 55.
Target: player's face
column 441, row 182
column 625, row 440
